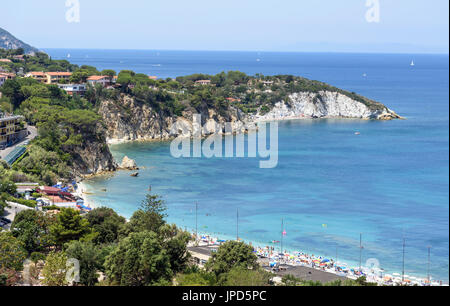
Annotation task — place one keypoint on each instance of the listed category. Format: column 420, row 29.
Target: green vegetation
column 143, row 252
column 230, row 255
column 64, row 123
column 12, row 252
column 32, row 228
column 69, row 226
column 38, row 62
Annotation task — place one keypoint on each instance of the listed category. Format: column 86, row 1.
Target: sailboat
column 68, row 55
column 412, row 63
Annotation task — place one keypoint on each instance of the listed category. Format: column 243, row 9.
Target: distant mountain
column 8, row 41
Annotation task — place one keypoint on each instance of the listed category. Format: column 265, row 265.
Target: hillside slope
column 9, row 41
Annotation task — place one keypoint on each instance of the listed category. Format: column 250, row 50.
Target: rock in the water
column 128, row 164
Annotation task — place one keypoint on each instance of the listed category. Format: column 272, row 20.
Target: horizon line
column 248, row 51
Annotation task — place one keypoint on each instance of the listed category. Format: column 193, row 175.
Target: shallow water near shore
column 388, row 183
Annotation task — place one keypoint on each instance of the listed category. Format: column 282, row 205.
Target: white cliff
column 324, row 105
column 129, row 120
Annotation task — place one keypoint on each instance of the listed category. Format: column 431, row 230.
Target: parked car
column 4, row 220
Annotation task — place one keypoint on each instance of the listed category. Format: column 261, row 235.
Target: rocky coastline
column 130, row 120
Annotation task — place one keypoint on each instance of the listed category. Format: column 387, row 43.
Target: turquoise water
column 389, row 183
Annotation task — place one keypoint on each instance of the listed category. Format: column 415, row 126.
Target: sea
column 359, row 191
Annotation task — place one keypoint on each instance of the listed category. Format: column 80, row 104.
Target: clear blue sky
column 261, row 25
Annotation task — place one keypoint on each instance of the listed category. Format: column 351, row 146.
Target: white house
column 72, row 89
column 99, row 79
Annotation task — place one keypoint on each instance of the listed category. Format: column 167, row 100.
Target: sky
column 401, row 26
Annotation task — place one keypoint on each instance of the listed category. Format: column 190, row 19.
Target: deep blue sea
column 390, row 183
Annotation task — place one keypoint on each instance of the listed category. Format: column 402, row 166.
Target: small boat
column 357, row 133
column 136, row 174
column 412, row 63
column 68, row 55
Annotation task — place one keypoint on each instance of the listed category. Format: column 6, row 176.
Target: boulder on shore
column 128, row 164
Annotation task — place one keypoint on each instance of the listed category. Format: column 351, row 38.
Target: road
column 33, row 134
column 10, row 212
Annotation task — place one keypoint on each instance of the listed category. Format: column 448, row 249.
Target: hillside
column 74, row 130
column 8, row 41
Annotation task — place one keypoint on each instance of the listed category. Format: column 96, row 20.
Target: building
column 58, row 197
column 231, row 100
column 6, row 76
column 203, row 82
column 5, row 60
column 49, row 77
column 267, row 83
column 38, row 76
column 57, row 77
column 12, row 130
column 26, row 189
column 19, row 57
column 152, row 77
column 104, row 80
column 71, row 89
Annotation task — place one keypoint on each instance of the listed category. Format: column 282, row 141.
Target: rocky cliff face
column 128, row 120
column 92, row 156
column 325, row 105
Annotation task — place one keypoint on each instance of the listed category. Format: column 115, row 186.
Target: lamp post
column 196, row 223
column 428, row 267
column 403, row 260
column 237, row 224
column 360, row 252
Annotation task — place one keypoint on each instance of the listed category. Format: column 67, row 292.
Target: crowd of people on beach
column 372, row 274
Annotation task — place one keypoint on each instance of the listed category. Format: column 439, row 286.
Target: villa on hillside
column 19, row 57
column 104, row 80
column 57, row 77
column 6, row 76
column 12, row 130
column 38, row 76
column 71, row 89
column 49, row 77
column 231, row 100
column 203, row 82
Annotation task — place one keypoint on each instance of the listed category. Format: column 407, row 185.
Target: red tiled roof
column 37, row 73
column 49, row 189
column 7, row 74
column 97, row 77
column 59, row 73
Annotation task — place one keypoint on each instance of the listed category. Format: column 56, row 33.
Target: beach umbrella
column 396, row 274
column 325, row 260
